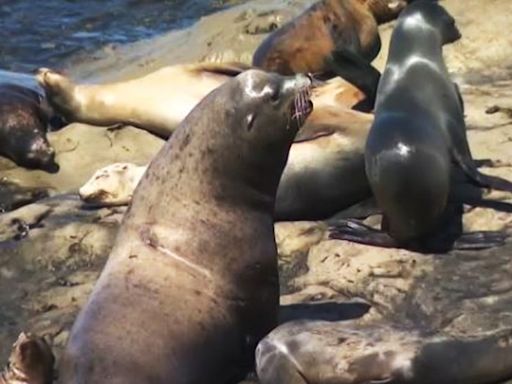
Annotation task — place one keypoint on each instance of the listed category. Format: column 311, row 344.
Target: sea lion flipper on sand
column 357, row 232
column 358, row 72
column 462, row 154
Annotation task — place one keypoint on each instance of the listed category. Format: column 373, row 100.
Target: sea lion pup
column 31, row 362
column 128, row 102
column 331, row 38
column 23, row 126
column 418, row 134
column 112, row 185
column 188, row 291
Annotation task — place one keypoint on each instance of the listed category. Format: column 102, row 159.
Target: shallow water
column 44, row 33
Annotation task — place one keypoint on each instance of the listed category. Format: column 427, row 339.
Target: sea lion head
column 429, row 14
column 31, row 360
column 112, row 185
column 250, row 121
column 39, row 154
column 23, row 136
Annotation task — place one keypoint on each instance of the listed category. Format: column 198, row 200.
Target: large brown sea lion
column 191, row 284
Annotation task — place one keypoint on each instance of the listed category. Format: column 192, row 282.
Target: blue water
column 44, row 33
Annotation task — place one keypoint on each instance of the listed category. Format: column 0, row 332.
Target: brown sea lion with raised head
column 332, row 37
column 191, row 284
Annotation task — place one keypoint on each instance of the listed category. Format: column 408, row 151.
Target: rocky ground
column 52, row 251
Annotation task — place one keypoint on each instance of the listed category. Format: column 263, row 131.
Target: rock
column 51, row 253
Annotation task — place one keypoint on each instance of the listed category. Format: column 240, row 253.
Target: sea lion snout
column 41, row 155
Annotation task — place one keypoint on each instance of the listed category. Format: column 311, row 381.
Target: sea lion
column 128, row 102
column 345, row 352
column 23, row 126
column 323, row 176
column 344, row 30
column 196, row 254
column 159, row 101
column 418, row 135
column 112, row 185
column 31, row 362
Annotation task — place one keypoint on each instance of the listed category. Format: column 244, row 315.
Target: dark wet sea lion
column 196, row 255
column 23, row 126
column 418, row 134
column 31, row 362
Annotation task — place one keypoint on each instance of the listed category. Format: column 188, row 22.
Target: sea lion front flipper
column 357, row 232
column 358, row 72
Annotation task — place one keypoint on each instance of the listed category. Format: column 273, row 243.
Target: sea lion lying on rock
column 23, row 127
column 159, row 101
column 326, row 153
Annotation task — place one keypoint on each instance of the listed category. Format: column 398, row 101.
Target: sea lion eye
column 274, row 96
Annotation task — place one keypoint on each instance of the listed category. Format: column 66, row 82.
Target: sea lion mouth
column 302, row 106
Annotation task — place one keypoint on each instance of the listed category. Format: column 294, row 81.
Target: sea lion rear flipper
column 459, row 95
column 479, row 240
column 360, row 210
column 358, row 72
column 311, row 132
column 463, row 157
